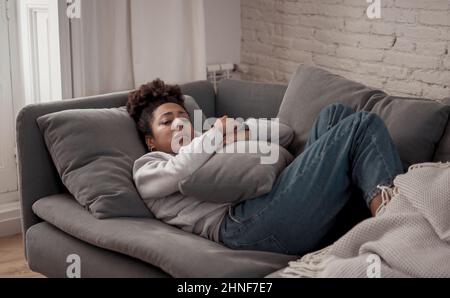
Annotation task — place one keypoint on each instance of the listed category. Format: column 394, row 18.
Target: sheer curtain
column 101, row 48
column 121, row 44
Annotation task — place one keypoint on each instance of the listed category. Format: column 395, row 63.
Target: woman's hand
column 224, row 124
column 237, row 136
column 229, row 129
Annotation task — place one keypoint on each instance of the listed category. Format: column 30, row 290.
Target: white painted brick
column 314, row 46
column 257, row 25
column 332, row 36
column 293, row 55
column 310, row 8
column 383, row 70
column 441, row 18
column 330, row 10
column 248, row 34
column 399, row 94
column 257, row 48
column 431, row 48
column 404, row 53
column 427, row 4
column 413, row 88
column 280, row 18
column 399, row 15
column 249, row 58
column 342, row 11
column 289, row 66
column 288, row 7
column 383, row 28
column 359, row 54
column 445, row 34
column 447, row 63
column 377, row 41
column 293, row 31
column 419, row 32
column 411, row 60
column 384, row 3
column 432, row 76
column 261, row 73
column 268, row 62
column 282, row 77
column 358, row 26
column 333, row 62
column 274, row 40
column 404, row 45
column 326, row 1
column 436, row 92
column 321, row 22
column 368, row 80
column 252, row 13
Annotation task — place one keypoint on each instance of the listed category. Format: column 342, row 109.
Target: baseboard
column 10, row 219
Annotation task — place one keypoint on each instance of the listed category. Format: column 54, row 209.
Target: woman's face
column 171, row 129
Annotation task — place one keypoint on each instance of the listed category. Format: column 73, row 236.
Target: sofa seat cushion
column 178, row 253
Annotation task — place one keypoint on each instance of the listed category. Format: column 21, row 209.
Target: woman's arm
column 157, row 176
column 283, row 138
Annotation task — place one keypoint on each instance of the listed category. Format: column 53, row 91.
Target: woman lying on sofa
column 344, row 150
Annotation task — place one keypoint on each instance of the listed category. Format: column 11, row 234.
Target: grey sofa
column 142, row 247
column 55, row 226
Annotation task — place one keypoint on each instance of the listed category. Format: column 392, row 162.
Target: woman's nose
column 179, row 123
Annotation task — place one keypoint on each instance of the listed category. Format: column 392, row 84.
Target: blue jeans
column 345, row 151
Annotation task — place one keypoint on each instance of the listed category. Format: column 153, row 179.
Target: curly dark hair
column 143, row 102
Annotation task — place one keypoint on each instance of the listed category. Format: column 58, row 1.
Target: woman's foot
column 375, row 204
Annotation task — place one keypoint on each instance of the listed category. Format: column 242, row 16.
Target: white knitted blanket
column 410, row 239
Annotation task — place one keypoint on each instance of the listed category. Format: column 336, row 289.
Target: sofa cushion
column 416, row 125
column 242, row 99
column 94, row 151
column 176, row 252
column 443, row 150
column 47, row 249
column 238, row 176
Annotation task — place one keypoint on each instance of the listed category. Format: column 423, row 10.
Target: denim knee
column 371, row 119
column 336, row 109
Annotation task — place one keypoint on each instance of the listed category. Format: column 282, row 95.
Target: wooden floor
column 12, row 260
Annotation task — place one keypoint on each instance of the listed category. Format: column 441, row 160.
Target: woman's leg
column 304, row 202
column 327, row 119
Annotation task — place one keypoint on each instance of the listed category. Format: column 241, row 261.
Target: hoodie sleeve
column 257, row 126
column 157, row 176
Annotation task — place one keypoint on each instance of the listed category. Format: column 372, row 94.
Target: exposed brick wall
column 406, row 52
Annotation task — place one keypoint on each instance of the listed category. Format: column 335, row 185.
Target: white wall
column 405, row 52
column 223, row 31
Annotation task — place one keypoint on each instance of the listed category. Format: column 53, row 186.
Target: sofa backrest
column 443, row 150
column 38, row 176
column 249, row 99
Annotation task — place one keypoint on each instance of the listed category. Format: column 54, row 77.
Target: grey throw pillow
column 234, row 177
column 416, row 125
column 94, row 151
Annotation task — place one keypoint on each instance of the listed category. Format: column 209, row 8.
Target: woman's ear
column 150, row 143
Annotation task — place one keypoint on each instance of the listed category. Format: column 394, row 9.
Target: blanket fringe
column 309, row 266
